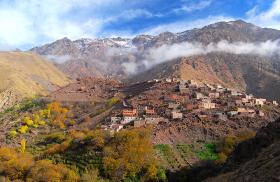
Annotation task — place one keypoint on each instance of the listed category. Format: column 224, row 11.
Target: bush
column 92, row 176
column 112, row 101
column 28, row 121
column 14, row 165
column 13, row 133
column 45, row 171
column 58, row 148
column 23, row 129
column 41, row 123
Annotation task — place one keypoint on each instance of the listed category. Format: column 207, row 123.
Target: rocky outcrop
column 7, row 99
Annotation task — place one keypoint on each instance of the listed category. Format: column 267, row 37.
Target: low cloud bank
column 58, row 59
column 169, row 52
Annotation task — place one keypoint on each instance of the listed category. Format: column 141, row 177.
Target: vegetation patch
column 208, row 152
column 166, row 152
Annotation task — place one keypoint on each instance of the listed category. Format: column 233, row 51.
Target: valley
column 198, row 105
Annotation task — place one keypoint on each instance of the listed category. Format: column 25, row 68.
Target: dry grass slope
column 24, row 74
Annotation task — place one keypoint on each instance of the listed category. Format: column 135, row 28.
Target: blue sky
column 28, row 23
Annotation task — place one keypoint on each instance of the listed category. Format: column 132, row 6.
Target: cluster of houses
column 173, row 100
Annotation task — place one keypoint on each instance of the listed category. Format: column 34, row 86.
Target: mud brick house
column 214, row 95
column 207, row 105
column 246, row 112
column 114, row 128
column 190, row 106
column 260, row 102
column 249, row 104
column 129, row 112
column 150, row 111
column 116, row 119
column 174, row 105
column 184, row 90
column 176, row 115
column 221, row 116
column 210, row 87
column 232, row 113
column 139, row 123
column 199, row 95
column 244, row 100
column 260, row 113
column 128, row 119
column 204, row 90
column 153, row 120
column 168, row 80
column 234, row 92
column 220, row 89
column 203, row 116
column 238, row 102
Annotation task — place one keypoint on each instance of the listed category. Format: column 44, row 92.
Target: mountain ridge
column 125, row 58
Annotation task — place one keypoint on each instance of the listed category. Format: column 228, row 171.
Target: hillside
column 26, row 75
column 256, row 159
column 254, row 74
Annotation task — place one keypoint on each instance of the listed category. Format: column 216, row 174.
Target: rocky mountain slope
column 26, row 75
column 125, row 58
column 256, row 159
column 251, row 73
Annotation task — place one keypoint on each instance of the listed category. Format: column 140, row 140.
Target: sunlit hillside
column 26, row 75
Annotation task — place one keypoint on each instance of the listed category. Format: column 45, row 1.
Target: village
column 172, row 100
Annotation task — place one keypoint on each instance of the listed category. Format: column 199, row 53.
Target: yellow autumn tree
column 58, row 114
column 14, row 165
column 129, row 153
column 45, row 171
column 23, row 145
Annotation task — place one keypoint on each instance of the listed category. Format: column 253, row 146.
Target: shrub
column 92, row 176
column 45, row 171
column 13, row 133
column 23, row 129
column 55, row 137
column 58, row 148
column 14, row 165
column 112, row 101
column 27, row 121
column 41, row 123
column 22, row 145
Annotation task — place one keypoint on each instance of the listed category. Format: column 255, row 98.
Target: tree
column 58, row 114
column 14, row 165
column 129, row 154
column 92, row 176
column 45, row 171
column 22, row 145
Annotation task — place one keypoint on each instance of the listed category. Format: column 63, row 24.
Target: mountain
column 137, row 59
column 251, row 73
column 24, row 74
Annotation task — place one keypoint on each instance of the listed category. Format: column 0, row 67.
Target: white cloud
column 169, row 52
column 194, row 7
column 269, row 18
column 58, row 59
column 27, row 22
column 180, row 26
